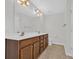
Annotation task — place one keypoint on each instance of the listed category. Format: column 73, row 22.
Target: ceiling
column 48, row 7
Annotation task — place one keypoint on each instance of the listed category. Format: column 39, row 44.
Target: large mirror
column 23, row 18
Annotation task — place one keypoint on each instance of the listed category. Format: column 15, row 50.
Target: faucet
column 21, row 33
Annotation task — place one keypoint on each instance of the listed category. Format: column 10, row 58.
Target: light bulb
column 24, row 5
column 37, row 11
column 19, row 1
column 23, row 0
column 28, row 3
column 38, row 14
column 41, row 14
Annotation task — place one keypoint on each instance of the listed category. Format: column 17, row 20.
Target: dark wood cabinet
column 29, row 48
column 26, row 52
column 45, row 41
column 41, row 43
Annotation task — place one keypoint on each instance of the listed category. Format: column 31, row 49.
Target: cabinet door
column 27, row 52
column 46, row 42
column 36, row 50
column 41, row 49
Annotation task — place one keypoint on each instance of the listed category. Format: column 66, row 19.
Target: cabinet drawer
column 35, row 39
column 41, row 37
column 29, row 41
column 25, row 42
column 42, row 41
column 46, row 36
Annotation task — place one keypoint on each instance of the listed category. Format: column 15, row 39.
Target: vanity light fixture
column 24, row 3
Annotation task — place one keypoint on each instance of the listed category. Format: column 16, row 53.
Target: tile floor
column 54, row 52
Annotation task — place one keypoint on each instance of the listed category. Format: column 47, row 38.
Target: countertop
column 16, row 36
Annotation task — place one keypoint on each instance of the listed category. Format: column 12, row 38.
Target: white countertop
column 16, row 36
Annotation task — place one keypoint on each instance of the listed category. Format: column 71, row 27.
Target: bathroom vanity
column 26, row 47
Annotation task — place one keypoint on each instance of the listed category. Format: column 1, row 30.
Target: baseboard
column 58, row 43
column 69, row 54
column 55, row 43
